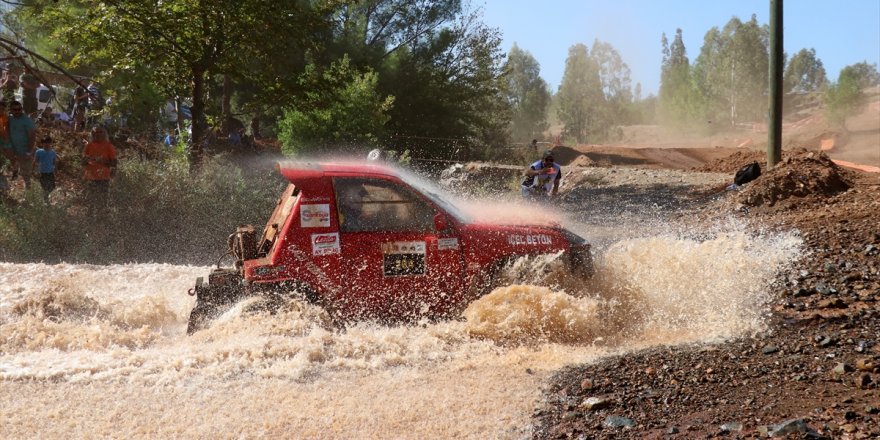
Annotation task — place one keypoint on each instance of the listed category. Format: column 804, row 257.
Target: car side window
column 373, row 205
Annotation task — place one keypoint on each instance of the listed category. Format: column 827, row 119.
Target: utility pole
column 774, row 115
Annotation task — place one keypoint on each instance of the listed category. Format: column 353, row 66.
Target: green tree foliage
column 595, row 94
column 617, row 97
column 845, row 97
column 731, row 73
column 676, row 92
column 527, row 94
column 239, row 59
column 579, row 93
column 175, row 45
column 804, row 73
column 442, row 65
column 342, row 109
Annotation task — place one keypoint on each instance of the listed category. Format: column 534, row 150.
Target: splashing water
column 101, row 351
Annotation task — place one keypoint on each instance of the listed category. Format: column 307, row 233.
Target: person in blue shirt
column 542, row 178
column 22, row 136
column 45, row 159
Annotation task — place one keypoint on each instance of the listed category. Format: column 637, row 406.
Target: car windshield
column 436, row 194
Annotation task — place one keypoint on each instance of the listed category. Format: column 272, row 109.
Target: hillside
column 657, row 147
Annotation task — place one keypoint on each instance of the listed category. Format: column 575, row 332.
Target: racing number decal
column 402, row 258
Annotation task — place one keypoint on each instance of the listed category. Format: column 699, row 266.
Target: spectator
column 29, row 86
column 234, row 138
column 5, row 147
column 170, row 140
column 255, row 127
column 80, row 105
column 99, row 166
column 22, row 136
column 96, row 102
column 45, row 159
column 47, row 116
column 9, row 84
column 542, row 178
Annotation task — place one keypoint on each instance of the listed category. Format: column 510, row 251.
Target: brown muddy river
column 101, row 351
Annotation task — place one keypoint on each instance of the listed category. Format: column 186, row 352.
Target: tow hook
column 193, row 290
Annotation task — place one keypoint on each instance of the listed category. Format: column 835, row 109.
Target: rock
column 618, row 422
column 824, row 289
column 731, row 427
column 569, row 416
column 863, row 381
column 842, row 368
column 587, row 384
column 826, row 341
column 672, row 430
column 787, row 427
column 866, row 364
column 831, row 303
column 801, row 292
column 871, row 409
column 595, row 403
column 769, row 349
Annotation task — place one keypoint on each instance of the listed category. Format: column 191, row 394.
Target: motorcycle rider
column 542, row 178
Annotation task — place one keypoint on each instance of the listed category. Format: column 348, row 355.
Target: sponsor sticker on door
column 403, row 258
column 447, row 243
column 315, row 216
column 529, row 240
column 325, row 244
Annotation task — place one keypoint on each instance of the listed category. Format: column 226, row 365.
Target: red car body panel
column 381, row 273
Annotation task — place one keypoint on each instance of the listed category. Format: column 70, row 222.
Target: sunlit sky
column 842, row 32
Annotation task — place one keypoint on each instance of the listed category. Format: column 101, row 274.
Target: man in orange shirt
column 99, row 166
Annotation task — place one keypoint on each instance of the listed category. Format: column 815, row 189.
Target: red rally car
column 368, row 241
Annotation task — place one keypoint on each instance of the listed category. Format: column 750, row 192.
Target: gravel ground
column 813, row 374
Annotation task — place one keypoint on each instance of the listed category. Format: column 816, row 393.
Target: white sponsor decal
column 404, row 247
column 447, row 243
column 325, row 244
column 316, row 199
column 531, row 240
column 315, row 216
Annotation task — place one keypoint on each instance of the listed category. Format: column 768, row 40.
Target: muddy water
column 101, row 351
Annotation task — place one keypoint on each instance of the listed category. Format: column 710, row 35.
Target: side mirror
column 440, row 222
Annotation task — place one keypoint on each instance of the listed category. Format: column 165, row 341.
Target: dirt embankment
column 815, row 372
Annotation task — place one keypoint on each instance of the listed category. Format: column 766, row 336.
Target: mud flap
column 581, row 260
column 224, row 288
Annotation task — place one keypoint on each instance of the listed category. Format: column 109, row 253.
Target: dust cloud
column 102, row 351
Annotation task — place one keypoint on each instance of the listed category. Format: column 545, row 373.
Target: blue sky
column 843, row 32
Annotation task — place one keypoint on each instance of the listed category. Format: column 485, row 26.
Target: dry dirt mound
column 733, row 162
column 582, row 161
column 801, row 176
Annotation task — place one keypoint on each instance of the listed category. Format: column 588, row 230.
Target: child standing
column 45, row 159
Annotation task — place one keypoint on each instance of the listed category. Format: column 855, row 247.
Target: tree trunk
column 199, row 124
column 226, row 106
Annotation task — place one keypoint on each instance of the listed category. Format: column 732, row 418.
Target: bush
column 158, row 212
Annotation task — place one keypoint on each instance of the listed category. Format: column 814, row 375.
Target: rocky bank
column 814, row 373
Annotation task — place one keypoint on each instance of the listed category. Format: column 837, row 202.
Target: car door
column 395, row 264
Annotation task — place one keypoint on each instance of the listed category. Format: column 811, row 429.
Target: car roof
column 297, row 170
